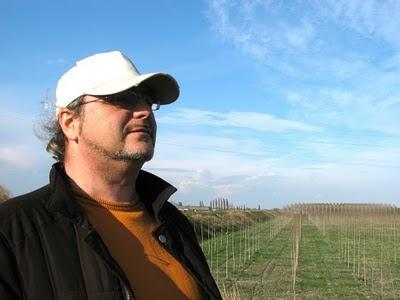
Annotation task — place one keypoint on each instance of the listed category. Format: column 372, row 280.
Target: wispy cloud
column 236, row 22
column 373, row 108
column 300, row 36
column 21, row 153
column 262, row 27
column 15, row 155
column 247, row 120
column 310, row 39
column 331, row 53
column 248, row 171
column 331, row 175
column 370, row 18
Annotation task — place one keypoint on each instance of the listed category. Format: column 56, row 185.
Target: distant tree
column 4, row 194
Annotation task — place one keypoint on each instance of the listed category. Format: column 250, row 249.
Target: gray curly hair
column 52, row 133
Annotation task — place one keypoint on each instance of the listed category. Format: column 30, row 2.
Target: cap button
column 162, row 238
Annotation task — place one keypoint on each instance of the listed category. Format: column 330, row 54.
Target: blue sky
column 281, row 101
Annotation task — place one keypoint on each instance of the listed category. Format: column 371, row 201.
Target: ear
column 69, row 123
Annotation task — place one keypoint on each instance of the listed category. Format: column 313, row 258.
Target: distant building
column 182, row 207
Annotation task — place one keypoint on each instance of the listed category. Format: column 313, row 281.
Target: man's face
column 117, row 133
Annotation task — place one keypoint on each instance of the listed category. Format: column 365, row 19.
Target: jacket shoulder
column 172, row 214
column 171, row 210
column 21, row 208
column 25, row 201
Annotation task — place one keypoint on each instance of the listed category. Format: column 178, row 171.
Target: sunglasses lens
column 129, row 100
column 122, row 100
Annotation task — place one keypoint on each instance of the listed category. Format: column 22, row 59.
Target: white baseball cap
column 110, row 73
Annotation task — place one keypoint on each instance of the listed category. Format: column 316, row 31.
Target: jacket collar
column 153, row 191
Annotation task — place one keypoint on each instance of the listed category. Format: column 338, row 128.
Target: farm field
column 303, row 252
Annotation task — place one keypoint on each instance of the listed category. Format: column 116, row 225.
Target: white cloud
column 368, row 17
column 247, row 120
column 261, row 27
column 251, row 182
column 209, row 165
column 243, row 36
column 367, row 107
column 15, row 155
column 300, row 36
column 23, row 158
column 226, row 156
column 204, row 166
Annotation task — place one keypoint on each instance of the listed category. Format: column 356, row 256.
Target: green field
column 300, row 255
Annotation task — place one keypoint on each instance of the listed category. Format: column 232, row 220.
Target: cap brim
column 161, row 85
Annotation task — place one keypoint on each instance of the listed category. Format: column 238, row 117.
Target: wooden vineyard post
column 233, row 246
column 227, row 253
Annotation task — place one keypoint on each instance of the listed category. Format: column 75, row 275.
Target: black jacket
column 49, row 250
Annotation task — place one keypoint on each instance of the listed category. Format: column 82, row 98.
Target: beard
column 144, row 155
column 122, row 155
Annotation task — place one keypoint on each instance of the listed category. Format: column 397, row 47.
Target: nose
column 142, row 110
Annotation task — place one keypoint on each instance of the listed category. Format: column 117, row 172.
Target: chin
column 132, row 156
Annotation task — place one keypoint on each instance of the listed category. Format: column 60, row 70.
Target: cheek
column 100, row 126
column 112, row 122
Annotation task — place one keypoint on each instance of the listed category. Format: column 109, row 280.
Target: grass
column 252, row 255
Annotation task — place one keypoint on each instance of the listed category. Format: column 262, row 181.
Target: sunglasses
column 128, row 100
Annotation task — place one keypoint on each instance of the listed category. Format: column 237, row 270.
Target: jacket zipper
column 128, row 295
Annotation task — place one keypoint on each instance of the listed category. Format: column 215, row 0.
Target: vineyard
column 305, row 251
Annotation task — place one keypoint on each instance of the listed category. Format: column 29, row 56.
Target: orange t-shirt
column 152, row 271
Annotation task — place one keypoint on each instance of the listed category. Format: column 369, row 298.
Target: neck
column 113, row 181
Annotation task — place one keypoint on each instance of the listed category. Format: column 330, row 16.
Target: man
column 102, row 228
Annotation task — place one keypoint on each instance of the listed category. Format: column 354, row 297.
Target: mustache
column 143, row 126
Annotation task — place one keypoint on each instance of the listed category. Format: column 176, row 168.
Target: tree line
column 4, row 194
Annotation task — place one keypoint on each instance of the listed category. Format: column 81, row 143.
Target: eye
column 122, row 100
column 130, row 99
column 125, row 99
